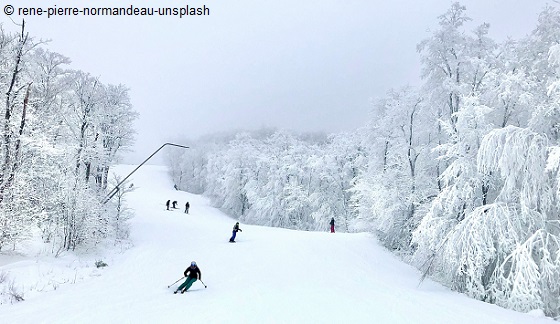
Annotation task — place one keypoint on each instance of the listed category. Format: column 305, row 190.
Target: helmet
column 237, row 223
column 193, row 264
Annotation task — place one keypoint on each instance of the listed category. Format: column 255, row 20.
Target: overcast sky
column 300, row 65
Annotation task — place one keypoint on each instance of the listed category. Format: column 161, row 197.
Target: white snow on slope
column 270, row 275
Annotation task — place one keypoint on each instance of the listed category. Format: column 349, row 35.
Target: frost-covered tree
column 445, row 57
column 456, row 69
column 118, row 226
column 275, row 192
column 399, row 174
column 60, row 132
column 188, row 168
column 228, row 174
column 338, row 166
column 114, row 132
column 14, row 127
column 501, row 242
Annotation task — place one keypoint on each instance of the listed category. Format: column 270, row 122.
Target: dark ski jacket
column 193, row 272
column 332, row 222
column 236, row 228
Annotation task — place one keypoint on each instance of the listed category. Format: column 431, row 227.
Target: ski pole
column 175, row 282
column 203, row 283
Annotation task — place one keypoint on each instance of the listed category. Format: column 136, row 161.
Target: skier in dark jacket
column 192, row 274
column 174, row 204
column 235, row 229
column 187, row 206
column 332, row 225
column 167, row 204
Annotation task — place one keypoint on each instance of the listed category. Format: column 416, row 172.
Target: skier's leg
column 191, row 281
column 233, row 236
column 183, row 285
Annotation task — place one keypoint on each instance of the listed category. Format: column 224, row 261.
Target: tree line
column 458, row 176
column 61, row 130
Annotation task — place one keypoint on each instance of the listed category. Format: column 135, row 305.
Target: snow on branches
column 61, row 131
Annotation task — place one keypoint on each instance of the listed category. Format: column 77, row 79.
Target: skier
column 192, row 274
column 167, row 204
column 187, row 206
column 175, row 204
column 235, row 229
column 332, row 225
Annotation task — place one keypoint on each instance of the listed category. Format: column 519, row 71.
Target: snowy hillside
column 270, row 275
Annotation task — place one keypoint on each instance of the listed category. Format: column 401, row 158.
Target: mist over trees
column 459, row 176
column 61, row 130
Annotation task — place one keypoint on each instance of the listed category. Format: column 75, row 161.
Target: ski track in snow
column 270, row 275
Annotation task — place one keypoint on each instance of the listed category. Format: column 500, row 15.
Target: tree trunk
column 5, row 169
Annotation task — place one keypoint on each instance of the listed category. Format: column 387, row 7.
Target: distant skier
column 175, row 204
column 187, row 206
column 192, row 274
column 235, row 229
column 332, row 225
column 167, row 204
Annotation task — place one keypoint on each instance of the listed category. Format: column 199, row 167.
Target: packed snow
column 270, row 275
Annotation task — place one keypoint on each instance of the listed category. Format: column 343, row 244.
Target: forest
column 458, row 176
column 61, row 131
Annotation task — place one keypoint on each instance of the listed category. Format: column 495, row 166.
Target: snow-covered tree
column 398, row 176
column 60, row 132
column 493, row 230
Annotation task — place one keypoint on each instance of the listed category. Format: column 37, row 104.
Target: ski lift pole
column 116, row 189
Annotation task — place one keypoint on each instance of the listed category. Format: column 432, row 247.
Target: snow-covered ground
column 270, row 275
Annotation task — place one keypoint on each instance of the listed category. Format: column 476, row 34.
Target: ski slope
column 270, row 275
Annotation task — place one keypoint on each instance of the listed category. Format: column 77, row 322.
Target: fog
column 303, row 66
